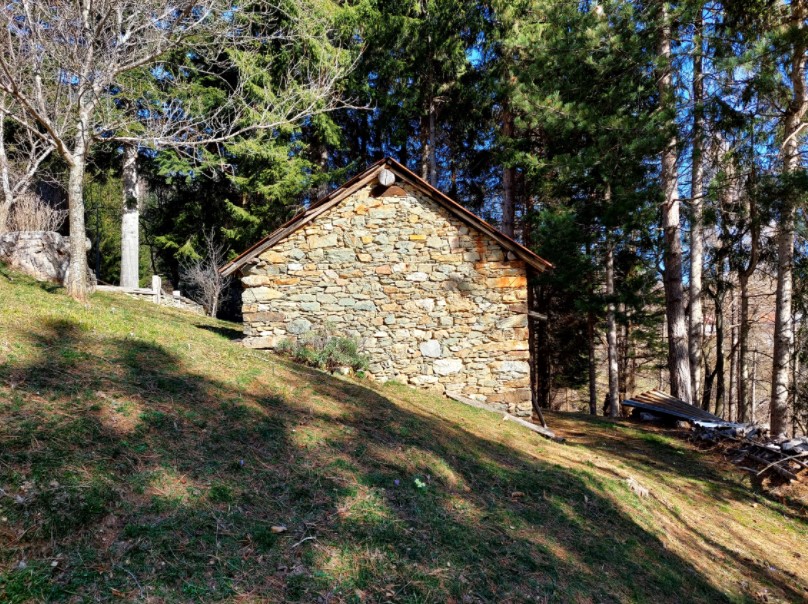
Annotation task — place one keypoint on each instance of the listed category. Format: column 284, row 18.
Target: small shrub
column 325, row 351
column 32, row 213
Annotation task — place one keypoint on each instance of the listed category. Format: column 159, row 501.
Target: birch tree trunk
column 130, row 221
column 611, row 330
column 5, row 180
column 719, row 357
column 783, row 329
column 732, row 401
column 745, row 405
column 753, row 396
column 678, row 353
column 696, row 317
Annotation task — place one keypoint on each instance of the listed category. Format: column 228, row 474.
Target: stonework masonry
column 433, row 302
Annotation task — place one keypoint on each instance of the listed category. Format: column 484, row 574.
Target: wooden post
column 157, row 287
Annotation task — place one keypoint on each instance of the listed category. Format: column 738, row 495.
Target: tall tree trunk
column 733, row 365
column 631, row 379
column 425, row 152
column 622, row 373
column 508, row 201
column 590, row 338
column 719, row 354
column 753, row 396
column 433, row 162
column 543, row 370
column 795, row 372
column 593, row 385
column 130, row 221
column 76, row 282
column 745, row 406
column 5, row 179
column 696, row 317
column 783, row 329
column 678, row 353
column 611, row 329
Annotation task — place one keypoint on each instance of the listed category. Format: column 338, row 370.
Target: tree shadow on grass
column 143, row 479
column 228, row 333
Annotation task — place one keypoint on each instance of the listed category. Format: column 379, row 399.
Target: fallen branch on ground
column 545, row 432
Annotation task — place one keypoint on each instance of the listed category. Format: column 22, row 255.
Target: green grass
column 145, row 456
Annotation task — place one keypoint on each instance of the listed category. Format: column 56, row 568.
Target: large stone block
column 447, row 366
column 507, row 282
column 262, row 342
column 417, row 276
column 260, row 294
column 298, row 326
column 330, row 240
column 264, row 317
column 512, row 367
column 430, row 348
column 340, row 255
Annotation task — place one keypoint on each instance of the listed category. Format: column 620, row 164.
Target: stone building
column 437, row 297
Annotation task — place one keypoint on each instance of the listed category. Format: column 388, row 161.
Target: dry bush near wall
column 325, row 351
column 32, row 213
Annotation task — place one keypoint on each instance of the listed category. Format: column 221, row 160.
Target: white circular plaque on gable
column 386, row 177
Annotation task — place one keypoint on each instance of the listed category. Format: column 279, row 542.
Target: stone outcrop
column 433, row 302
column 44, row 255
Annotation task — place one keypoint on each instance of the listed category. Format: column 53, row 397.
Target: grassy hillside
column 145, row 456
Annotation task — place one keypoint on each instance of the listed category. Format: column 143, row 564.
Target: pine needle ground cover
column 144, row 456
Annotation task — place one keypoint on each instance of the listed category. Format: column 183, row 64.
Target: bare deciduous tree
column 70, row 71
column 206, row 283
column 21, row 155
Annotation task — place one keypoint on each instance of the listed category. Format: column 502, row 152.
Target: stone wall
column 433, row 302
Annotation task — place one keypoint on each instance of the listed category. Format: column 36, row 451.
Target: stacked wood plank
column 663, row 404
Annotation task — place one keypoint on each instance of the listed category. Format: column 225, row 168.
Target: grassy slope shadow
column 127, row 475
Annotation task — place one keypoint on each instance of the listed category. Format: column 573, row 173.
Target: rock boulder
column 44, row 255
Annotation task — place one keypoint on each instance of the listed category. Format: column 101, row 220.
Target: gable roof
column 357, row 182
